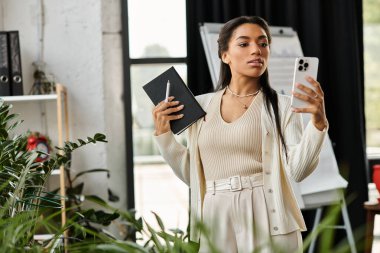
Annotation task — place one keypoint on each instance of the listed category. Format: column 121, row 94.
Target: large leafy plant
column 21, row 178
column 22, row 184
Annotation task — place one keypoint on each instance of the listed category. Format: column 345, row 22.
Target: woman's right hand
column 161, row 115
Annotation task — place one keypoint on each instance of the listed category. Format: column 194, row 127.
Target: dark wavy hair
column 270, row 95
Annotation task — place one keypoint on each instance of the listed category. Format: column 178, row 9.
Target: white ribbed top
column 229, row 149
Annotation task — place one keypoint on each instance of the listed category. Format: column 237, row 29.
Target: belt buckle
column 239, row 181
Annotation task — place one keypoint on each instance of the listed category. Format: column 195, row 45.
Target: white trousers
column 237, row 222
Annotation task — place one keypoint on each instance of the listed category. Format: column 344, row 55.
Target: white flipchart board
column 324, row 185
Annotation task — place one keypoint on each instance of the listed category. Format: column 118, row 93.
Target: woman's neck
column 244, row 86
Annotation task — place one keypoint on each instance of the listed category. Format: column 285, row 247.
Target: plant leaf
column 96, row 199
column 159, row 221
column 154, row 237
column 89, row 171
column 100, row 137
column 100, row 217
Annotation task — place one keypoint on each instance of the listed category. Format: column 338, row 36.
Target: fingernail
column 181, row 106
column 298, row 85
column 181, row 115
column 308, row 78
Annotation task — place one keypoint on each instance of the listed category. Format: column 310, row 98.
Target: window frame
column 128, row 62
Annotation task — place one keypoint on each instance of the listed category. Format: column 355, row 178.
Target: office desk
column 372, row 210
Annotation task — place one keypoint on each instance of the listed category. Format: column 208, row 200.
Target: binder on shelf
column 15, row 80
column 4, row 65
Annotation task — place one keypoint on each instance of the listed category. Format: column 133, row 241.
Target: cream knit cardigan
column 303, row 145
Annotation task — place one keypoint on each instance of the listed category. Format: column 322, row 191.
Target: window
column 157, row 28
column 371, row 15
column 157, row 41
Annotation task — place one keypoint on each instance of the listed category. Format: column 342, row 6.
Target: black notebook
column 156, row 90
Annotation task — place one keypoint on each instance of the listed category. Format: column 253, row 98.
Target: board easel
column 346, row 224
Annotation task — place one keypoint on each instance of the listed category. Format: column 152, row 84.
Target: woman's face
column 248, row 51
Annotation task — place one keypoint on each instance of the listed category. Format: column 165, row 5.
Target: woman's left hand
column 315, row 98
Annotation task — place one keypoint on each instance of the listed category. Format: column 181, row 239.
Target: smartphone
column 304, row 66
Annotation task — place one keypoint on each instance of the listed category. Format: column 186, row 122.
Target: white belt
column 235, row 183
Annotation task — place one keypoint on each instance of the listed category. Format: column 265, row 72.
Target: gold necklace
column 242, row 96
column 244, row 105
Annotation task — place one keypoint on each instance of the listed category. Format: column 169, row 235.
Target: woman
column 241, row 155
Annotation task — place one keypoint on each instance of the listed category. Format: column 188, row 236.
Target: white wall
column 113, row 88
column 82, row 48
column 1, row 16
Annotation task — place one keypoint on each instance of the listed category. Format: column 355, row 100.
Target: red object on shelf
column 37, row 141
column 376, row 176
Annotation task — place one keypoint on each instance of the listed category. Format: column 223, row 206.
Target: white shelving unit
column 29, row 98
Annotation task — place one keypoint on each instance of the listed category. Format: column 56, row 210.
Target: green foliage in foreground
column 23, row 201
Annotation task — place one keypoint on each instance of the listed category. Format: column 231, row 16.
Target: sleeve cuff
column 156, row 135
column 324, row 130
column 315, row 132
column 163, row 139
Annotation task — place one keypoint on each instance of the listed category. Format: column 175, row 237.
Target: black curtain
column 329, row 30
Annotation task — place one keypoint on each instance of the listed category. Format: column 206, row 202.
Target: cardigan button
column 267, row 172
column 267, row 133
column 270, row 190
column 275, row 228
column 273, row 210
